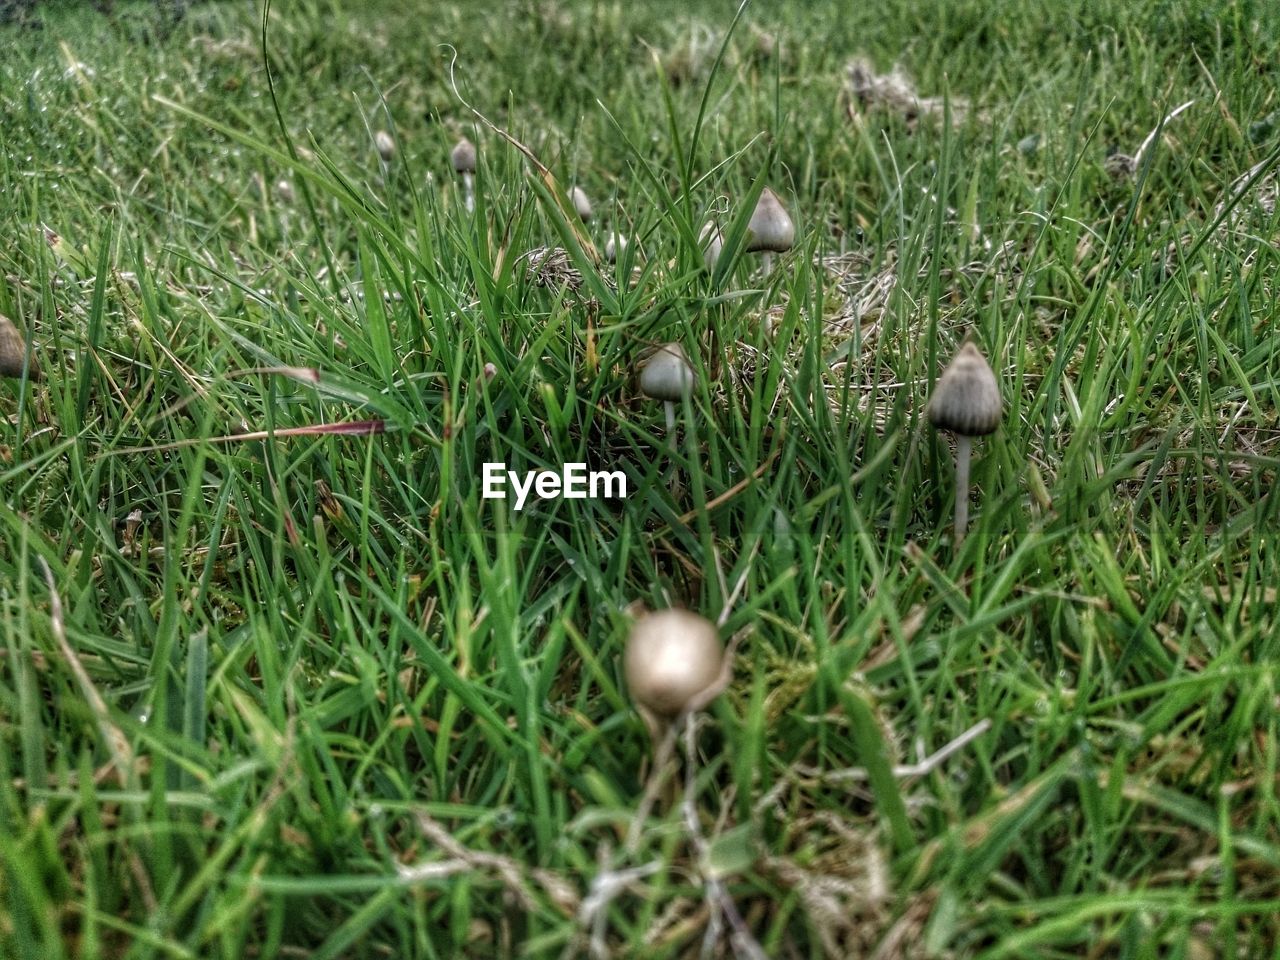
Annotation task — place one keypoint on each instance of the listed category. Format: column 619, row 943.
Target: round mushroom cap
column 966, row 399
column 712, row 241
column 770, row 228
column 667, row 373
column 13, row 352
column 614, row 247
column 386, row 146
column 672, row 656
column 463, row 156
column 578, row 197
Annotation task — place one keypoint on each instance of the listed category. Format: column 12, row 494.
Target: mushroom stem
column 673, row 478
column 767, row 261
column 468, row 192
column 673, row 483
column 964, row 446
column 659, row 778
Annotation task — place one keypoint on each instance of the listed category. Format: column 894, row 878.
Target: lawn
column 278, row 680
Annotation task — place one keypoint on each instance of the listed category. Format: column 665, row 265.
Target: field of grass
column 268, row 690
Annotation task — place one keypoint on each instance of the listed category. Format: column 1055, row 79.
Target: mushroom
column 966, row 402
column 674, row 665
column 385, row 145
column 614, row 247
column 712, row 242
column 285, row 189
column 578, row 197
column 667, row 375
column 13, row 352
column 463, row 158
column 770, row 229
column 1121, row 166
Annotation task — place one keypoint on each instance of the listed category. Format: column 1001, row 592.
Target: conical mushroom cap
column 672, row 656
column 966, row 399
column 578, row 197
column 770, row 228
column 712, row 241
column 463, row 156
column 13, row 352
column 667, row 374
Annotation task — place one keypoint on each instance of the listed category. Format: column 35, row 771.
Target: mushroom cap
column 463, row 156
column 667, row 373
column 966, row 399
column 614, row 247
column 671, row 657
column 712, row 241
column 770, row 228
column 578, row 197
column 385, row 145
column 13, row 352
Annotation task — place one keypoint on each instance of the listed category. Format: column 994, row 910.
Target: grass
column 297, row 692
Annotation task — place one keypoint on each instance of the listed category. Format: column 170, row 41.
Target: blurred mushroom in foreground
column 13, row 352
column 385, row 145
column 674, row 665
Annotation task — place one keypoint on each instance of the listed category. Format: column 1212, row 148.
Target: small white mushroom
column 614, row 247
column 966, row 402
column 673, row 663
column 712, row 242
column 385, row 145
column 13, row 352
column 463, row 158
column 578, row 197
column 667, row 375
column 770, row 229
column 285, row 189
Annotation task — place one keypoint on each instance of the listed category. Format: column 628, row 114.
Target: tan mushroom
column 667, row 375
column 674, row 664
column 13, row 352
column 463, row 157
column 770, row 229
column 966, row 402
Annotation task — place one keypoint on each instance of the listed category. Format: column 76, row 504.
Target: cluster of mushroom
column 674, row 662
column 770, row 230
column 965, row 403
column 463, row 159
